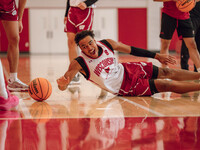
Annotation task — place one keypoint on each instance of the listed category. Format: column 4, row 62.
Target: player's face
column 89, row 47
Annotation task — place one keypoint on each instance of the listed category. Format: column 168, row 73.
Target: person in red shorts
column 11, row 19
column 98, row 64
column 7, row 101
column 78, row 17
column 173, row 19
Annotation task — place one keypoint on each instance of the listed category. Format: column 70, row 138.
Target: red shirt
column 171, row 10
column 7, row 5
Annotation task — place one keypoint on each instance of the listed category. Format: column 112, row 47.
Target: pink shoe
column 7, row 104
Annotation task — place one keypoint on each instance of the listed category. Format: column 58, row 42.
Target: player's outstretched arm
column 163, row 58
column 64, row 80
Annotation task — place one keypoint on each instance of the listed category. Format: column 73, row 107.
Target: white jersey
column 74, row 3
column 105, row 71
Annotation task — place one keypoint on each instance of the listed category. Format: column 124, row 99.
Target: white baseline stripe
column 145, row 108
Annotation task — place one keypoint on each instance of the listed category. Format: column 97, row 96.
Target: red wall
column 132, row 25
column 24, row 36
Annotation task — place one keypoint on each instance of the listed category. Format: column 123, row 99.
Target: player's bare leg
column 193, row 52
column 73, row 53
column 12, row 33
column 177, row 74
column 176, row 86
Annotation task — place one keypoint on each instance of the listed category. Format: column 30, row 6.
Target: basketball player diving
column 98, row 64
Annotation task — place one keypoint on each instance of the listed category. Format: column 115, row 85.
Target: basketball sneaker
column 17, row 86
column 76, row 79
column 11, row 102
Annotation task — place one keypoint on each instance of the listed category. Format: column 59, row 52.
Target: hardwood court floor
column 86, row 118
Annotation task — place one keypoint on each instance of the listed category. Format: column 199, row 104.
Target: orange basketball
column 40, row 89
column 41, row 112
column 185, row 5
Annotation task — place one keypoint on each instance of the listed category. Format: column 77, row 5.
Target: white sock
column 3, row 92
column 198, row 69
column 13, row 77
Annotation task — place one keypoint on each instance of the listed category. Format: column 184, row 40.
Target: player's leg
column 177, row 74
column 176, row 86
column 72, row 46
column 186, row 30
column 7, row 101
column 193, row 52
column 184, row 56
column 3, row 92
column 165, row 46
column 12, row 33
column 168, row 26
column 197, row 40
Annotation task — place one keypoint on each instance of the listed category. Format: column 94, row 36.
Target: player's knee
column 166, row 72
column 14, row 40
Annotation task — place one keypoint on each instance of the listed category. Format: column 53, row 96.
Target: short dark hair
column 81, row 35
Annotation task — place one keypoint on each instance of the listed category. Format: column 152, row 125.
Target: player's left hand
column 20, row 26
column 82, row 5
column 165, row 59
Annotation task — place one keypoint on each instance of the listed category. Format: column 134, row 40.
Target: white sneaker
column 17, row 86
column 76, row 79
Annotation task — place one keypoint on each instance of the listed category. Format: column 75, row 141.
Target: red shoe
column 7, row 104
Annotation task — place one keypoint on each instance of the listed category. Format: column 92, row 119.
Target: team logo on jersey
column 107, row 69
column 14, row 12
column 104, row 64
column 81, row 27
column 106, row 52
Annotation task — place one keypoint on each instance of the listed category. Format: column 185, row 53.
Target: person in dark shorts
column 78, row 17
column 195, row 17
column 173, row 19
column 11, row 19
column 98, row 64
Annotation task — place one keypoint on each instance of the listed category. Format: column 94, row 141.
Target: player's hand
column 165, row 59
column 82, row 5
column 65, row 20
column 63, row 83
column 20, row 25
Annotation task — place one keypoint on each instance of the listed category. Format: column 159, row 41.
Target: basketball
column 185, row 5
column 41, row 112
column 40, row 89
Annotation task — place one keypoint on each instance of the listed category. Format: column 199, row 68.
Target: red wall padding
column 132, row 25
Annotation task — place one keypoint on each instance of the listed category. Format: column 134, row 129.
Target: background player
column 173, row 19
column 195, row 17
column 11, row 19
column 78, row 17
column 98, row 64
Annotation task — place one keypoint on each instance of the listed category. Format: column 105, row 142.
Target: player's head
column 85, row 40
column 81, row 35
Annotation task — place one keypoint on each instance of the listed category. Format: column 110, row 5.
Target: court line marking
column 145, row 108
